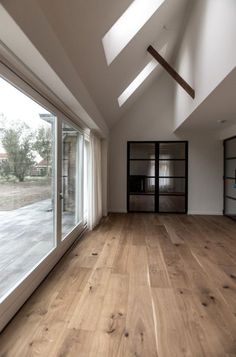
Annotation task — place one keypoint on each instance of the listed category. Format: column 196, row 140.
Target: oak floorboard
column 140, row 285
column 110, row 333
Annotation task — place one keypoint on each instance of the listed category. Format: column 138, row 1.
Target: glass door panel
column 230, row 207
column 172, row 185
column 172, row 177
column 86, row 180
column 230, row 148
column 142, row 203
column 136, row 184
column 26, row 185
column 170, row 204
column 142, row 151
column 173, row 150
column 230, row 188
column 230, row 168
column 230, row 177
column 140, row 184
column 144, row 168
column 172, row 168
column 157, row 177
column 141, row 179
column 32, row 189
column 72, row 168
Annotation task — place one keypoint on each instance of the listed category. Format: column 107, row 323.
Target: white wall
column 205, row 175
column 228, row 132
column 207, row 52
column 151, row 118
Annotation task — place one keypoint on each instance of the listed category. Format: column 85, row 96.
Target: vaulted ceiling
column 80, row 26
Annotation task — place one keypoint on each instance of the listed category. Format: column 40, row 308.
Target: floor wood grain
column 139, row 285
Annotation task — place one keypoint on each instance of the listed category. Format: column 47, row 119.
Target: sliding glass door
column 230, row 177
column 72, row 178
column 27, row 193
column 41, row 189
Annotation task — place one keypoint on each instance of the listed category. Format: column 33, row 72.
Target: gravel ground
column 20, row 194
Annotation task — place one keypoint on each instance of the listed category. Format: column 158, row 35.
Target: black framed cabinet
column 157, row 176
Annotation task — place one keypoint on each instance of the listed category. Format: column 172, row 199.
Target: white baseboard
column 192, row 212
column 206, row 213
column 118, row 210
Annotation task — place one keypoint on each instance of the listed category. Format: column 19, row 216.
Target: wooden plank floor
column 139, row 285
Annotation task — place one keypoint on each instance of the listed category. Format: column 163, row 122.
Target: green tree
column 43, row 145
column 18, row 145
column 5, row 169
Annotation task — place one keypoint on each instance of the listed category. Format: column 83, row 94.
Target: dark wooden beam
column 171, row 71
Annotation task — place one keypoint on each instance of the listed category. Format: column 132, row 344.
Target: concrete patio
column 26, row 236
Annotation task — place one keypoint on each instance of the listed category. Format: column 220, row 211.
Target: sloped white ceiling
column 80, row 26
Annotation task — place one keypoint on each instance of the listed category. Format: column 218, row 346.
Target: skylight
column 137, row 82
column 126, row 27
